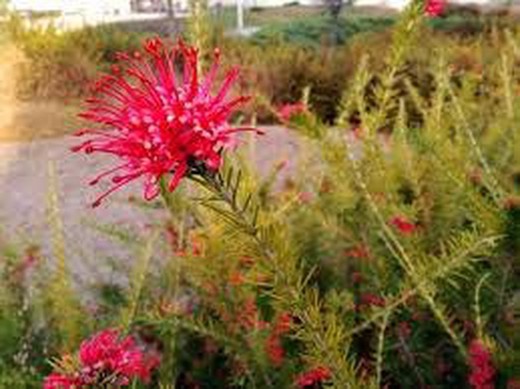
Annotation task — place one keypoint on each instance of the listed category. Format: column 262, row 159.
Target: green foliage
column 318, row 30
column 66, row 313
column 62, row 64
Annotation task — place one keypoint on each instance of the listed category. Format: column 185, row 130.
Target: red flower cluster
column 358, row 252
column 482, row 370
column 314, row 376
column 372, row 300
column 105, row 358
column 434, row 8
column 273, row 346
column 157, row 123
column 248, row 316
column 288, row 111
column 403, row 225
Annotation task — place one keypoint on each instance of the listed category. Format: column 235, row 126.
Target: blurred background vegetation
column 289, row 48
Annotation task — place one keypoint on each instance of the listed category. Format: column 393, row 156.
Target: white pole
column 240, row 15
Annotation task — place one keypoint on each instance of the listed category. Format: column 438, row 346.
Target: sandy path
column 25, row 184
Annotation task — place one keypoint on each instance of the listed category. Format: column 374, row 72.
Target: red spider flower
column 288, row 111
column 482, row 371
column 403, row 225
column 314, row 376
column 273, row 346
column 158, row 120
column 434, row 8
column 60, row 381
column 104, row 357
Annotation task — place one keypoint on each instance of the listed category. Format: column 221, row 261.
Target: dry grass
column 28, row 120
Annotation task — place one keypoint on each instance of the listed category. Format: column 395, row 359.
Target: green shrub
column 319, row 30
column 62, row 64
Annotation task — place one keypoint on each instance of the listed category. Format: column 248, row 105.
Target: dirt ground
column 92, row 255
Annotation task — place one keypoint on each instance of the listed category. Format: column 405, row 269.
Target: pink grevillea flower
column 106, row 358
column 61, row 381
column 158, row 120
column 482, row 371
column 288, row 111
column 314, row 376
column 434, row 8
column 403, row 225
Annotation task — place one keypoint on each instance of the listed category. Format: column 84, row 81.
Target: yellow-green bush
column 62, row 64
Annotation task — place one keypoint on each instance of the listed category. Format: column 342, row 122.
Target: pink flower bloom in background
column 403, row 225
column 104, row 355
column 60, row 381
column 305, row 197
column 288, row 111
column 482, row 371
column 159, row 121
column 314, row 376
column 434, row 8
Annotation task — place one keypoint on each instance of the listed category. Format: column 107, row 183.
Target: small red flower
column 236, row 279
column 60, row 381
column 370, row 299
column 403, row 225
column 482, row 371
column 288, row 111
column 246, row 261
column 273, row 346
column 248, row 317
column 305, row 197
column 274, row 350
column 313, row 376
column 404, row 330
column 157, row 123
column 358, row 252
column 106, row 355
column 513, row 383
column 434, row 8
column 357, row 277
column 283, row 324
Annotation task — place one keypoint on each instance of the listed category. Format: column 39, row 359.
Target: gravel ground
column 24, row 178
